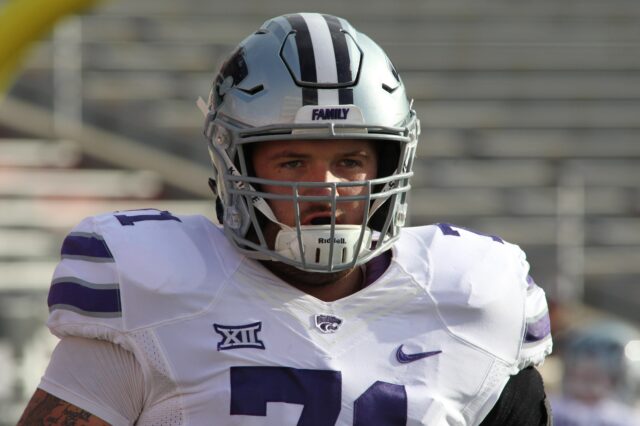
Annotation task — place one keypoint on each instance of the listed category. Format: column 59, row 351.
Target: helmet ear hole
column 379, row 218
column 219, row 207
column 219, row 211
column 247, row 152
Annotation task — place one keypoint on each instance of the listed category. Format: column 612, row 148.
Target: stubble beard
column 299, row 278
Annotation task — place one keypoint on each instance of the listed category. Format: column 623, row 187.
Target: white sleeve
column 97, row 376
column 536, row 341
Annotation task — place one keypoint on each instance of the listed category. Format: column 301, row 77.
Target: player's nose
column 321, row 173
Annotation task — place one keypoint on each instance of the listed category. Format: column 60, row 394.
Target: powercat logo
column 329, row 114
column 327, row 323
column 340, row 240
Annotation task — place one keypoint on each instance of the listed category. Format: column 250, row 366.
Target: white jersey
column 223, row 341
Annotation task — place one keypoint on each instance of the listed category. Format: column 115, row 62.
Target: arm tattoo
column 47, row 410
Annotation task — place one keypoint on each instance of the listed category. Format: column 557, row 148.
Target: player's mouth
column 321, row 218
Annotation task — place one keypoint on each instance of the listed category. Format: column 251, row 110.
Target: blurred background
column 530, row 118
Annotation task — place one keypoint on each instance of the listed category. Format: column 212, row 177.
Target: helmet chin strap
column 322, row 247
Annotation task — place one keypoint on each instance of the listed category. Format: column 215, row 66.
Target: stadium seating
column 529, row 111
column 530, row 118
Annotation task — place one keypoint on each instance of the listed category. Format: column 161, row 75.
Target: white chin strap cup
column 317, row 243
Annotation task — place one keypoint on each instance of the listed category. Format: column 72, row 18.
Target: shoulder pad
column 126, row 270
column 481, row 286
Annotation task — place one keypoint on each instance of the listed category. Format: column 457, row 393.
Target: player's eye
column 291, row 164
column 350, row 163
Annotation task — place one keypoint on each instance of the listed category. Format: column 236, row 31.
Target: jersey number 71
column 320, row 394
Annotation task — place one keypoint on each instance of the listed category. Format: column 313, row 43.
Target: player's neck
column 326, row 287
column 342, row 287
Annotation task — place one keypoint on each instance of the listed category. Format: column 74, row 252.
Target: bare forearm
column 48, row 410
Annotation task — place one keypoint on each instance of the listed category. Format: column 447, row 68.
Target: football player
column 310, row 304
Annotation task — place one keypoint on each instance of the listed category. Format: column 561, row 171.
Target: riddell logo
column 329, row 241
column 329, row 114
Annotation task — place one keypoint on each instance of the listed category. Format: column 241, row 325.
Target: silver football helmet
column 307, row 77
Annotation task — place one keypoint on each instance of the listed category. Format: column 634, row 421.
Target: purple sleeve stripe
column 538, row 330
column 83, row 245
column 84, row 298
column 531, row 284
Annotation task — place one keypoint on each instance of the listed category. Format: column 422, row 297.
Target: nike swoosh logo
column 405, row 358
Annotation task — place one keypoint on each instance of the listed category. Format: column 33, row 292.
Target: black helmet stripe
column 324, row 58
column 343, row 58
column 340, row 49
column 306, row 57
